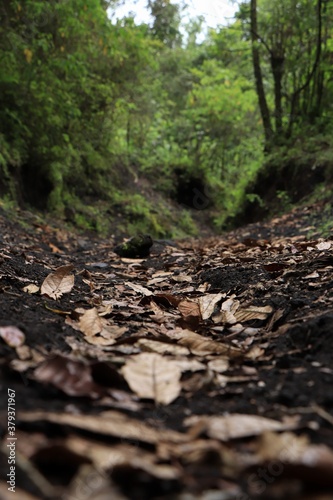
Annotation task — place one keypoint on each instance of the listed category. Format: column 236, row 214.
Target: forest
column 165, row 127
column 166, row 233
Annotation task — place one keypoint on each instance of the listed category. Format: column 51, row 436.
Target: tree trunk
column 264, row 111
column 277, row 65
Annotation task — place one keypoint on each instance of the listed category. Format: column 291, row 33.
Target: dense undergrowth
column 114, row 126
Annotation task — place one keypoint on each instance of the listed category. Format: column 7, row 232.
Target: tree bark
column 277, row 65
column 264, row 111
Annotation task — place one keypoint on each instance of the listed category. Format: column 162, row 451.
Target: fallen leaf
column 312, row 275
column 138, row 288
column 105, row 456
column 235, row 426
column 54, row 248
column 298, row 458
column 255, row 352
column 182, row 278
column 58, row 282
column 219, row 365
column 324, row 245
column 253, row 312
column 227, row 312
column 163, row 299
column 13, row 336
column 31, row 288
column 71, row 377
column 107, row 423
column 202, row 346
column 189, row 365
column 189, row 308
column 208, row 303
column 151, row 376
column 90, row 322
column 162, row 347
column 107, row 336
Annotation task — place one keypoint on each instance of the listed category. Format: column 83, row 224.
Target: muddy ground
column 203, row 371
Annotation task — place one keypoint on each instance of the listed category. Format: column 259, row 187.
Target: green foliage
column 166, row 22
column 95, row 114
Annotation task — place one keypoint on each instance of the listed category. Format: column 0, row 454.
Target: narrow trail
column 202, row 371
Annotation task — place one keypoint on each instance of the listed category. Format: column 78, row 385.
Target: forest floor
column 201, row 372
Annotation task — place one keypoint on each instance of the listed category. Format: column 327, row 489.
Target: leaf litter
column 202, row 370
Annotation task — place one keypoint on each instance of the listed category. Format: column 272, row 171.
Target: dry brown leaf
column 289, row 447
column 13, row 336
column 72, row 377
column 99, row 341
column 189, row 308
column 298, row 458
column 181, row 278
column 108, row 423
column 315, row 274
column 189, row 365
column 106, row 457
column 112, row 331
column 324, row 245
column 227, row 312
column 255, row 352
column 58, row 282
column 31, row 288
column 151, row 376
column 105, row 309
column 139, row 288
column 92, row 482
column 235, row 426
column 208, row 302
column 97, row 330
column 198, row 381
column 253, row 312
column 230, row 305
column 160, row 274
column 24, row 352
column 196, row 452
column 166, row 299
column 91, row 323
column 54, row 248
column 162, row 347
column 159, row 315
column 28, row 358
column 219, row 365
column 200, row 345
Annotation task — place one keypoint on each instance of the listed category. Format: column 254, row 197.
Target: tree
column 265, row 113
column 287, row 38
column 166, row 22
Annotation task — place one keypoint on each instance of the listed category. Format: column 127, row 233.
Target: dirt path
column 201, row 372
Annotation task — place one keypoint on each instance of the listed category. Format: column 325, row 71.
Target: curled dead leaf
column 208, row 303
